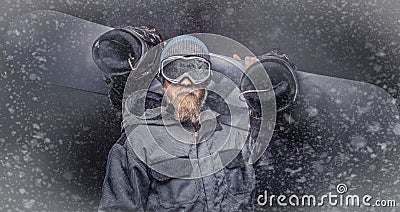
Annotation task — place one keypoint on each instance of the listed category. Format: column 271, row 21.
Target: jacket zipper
column 196, row 142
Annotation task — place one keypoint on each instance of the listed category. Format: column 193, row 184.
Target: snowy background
column 54, row 141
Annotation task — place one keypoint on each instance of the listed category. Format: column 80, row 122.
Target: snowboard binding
column 285, row 87
column 116, row 53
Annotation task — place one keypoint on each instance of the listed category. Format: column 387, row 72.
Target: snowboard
column 55, row 48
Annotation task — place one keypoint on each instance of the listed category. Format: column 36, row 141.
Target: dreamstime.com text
column 338, row 199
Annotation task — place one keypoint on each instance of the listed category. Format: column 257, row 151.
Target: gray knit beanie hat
column 185, row 45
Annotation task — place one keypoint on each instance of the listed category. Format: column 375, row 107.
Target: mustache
column 185, row 90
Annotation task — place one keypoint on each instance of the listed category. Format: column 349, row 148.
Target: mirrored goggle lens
column 196, row 69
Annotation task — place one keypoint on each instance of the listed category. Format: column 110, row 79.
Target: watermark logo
column 340, row 198
column 341, row 188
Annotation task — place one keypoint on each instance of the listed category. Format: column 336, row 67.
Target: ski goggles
column 175, row 68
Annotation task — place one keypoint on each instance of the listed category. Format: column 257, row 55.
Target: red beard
column 188, row 106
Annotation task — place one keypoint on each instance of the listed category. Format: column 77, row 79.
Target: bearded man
column 178, row 156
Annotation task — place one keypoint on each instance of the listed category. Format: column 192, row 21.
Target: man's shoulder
column 119, row 147
column 122, row 153
column 121, row 140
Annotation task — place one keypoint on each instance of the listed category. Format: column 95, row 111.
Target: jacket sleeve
column 126, row 184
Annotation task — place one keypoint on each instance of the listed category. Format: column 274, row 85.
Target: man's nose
column 185, row 82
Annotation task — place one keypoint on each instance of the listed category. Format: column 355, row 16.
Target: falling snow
column 54, row 141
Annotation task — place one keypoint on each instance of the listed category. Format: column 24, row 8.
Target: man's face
column 187, row 99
